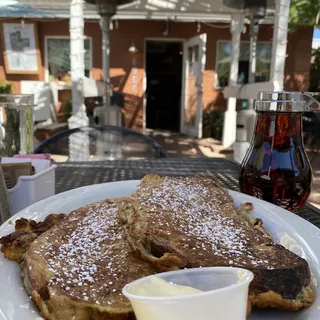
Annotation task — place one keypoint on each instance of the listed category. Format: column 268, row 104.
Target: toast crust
column 274, row 300
column 15, row 245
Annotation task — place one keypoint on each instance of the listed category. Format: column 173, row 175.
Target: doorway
column 164, row 60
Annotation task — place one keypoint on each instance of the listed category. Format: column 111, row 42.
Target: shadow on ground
column 178, row 145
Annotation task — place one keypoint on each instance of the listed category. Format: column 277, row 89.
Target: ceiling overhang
column 177, row 10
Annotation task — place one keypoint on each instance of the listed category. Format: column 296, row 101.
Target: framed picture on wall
column 20, row 48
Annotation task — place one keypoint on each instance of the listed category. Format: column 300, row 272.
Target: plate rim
column 99, row 185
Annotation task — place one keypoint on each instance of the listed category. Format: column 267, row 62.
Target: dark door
column 164, row 77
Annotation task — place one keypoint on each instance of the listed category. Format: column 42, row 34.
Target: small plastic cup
column 223, row 296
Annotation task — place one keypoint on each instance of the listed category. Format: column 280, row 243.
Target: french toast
column 15, row 245
column 74, row 266
column 186, row 222
column 76, row 270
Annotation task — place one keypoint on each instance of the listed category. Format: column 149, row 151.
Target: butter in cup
column 210, row 293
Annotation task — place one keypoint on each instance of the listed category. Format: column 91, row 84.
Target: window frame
column 46, row 58
column 217, row 63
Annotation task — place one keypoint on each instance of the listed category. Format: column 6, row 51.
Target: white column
column 279, row 44
column 230, row 116
column 79, row 117
column 78, row 142
column 248, row 116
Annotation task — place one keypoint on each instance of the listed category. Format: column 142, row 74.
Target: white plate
column 293, row 232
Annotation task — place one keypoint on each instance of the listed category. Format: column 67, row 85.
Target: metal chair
column 101, row 143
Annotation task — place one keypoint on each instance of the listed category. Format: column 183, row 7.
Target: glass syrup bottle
column 276, row 167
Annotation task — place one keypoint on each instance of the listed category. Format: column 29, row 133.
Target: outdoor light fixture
column 133, row 48
column 165, row 31
column 107, row 7
column 253, row 9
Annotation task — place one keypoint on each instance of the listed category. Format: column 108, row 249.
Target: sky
column 316, row 33
column 7, row 2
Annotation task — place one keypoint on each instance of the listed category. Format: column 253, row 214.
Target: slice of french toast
column 77, row 269
column 189, row 222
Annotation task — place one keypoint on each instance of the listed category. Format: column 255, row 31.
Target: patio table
column 70, row 175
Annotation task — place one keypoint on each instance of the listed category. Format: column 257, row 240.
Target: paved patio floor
column 178, row 145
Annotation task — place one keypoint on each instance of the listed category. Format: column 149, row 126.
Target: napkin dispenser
column 33, row 188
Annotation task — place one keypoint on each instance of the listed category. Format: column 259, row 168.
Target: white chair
column 44, row 99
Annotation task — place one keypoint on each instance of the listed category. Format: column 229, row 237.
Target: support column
column 279, row 43
column 109, row 115
column 105, row 29
column 230, row 116
column 79, row 117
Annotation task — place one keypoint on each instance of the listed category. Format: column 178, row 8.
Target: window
column 58, row 58
column 224, row 58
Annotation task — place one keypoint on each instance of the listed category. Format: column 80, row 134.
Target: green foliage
column 5, row 88
column 315, row 71
column 12, row 137
column 30, row 132
column 303, row 13
column 213, row 124
column 66, row 108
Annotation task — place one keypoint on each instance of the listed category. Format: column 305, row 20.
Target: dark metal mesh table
column 72, row 175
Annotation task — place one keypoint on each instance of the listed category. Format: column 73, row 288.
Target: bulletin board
column 20, row 48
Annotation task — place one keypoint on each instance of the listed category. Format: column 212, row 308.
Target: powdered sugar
column 91, row 248
column 202, row 216
column 90, row 259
